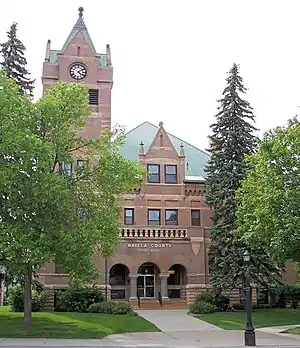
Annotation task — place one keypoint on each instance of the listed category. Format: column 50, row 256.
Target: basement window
column 93, row 96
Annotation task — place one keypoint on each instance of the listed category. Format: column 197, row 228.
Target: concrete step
column 176, row 304
column 154, row 304
column 150, row 304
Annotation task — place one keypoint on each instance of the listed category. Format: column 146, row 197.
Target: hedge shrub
column 113, row 308
column 16, row 299
column 78, row 298
column 207, row 296
column 221, row 302
column 202, row 307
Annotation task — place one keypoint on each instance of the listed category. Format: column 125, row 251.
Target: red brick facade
column 165, row 232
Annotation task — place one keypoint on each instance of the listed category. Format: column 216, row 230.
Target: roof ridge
column 195, row 147
column 131, row 130
column 172, row 135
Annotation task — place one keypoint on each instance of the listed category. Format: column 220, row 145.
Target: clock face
column 78, row 71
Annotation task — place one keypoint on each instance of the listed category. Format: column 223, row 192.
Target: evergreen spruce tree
column 14, row 61
column 231, row 140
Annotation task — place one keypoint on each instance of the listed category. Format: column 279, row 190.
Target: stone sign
column 149, row 246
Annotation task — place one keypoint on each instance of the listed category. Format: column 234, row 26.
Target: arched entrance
column 118, row 280
column 176, row 281
column 147, row 280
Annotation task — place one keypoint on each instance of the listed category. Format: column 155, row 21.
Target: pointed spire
column 47, row 55
column 80, row 23
column 79, row 27
column 181, row 152
column 108, row 56
column 141, row 149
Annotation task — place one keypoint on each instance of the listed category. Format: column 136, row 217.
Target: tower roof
column 79, row 27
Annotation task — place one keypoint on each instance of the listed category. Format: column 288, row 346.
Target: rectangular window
column 195, row 217
column 128, row 216
column 66, row 168
column 171, row 217
column 81, row 163
column 153, row 173
column 153, row 216
column 94, row 96
column 80, row 166
column 170, row 174
column 82, row 212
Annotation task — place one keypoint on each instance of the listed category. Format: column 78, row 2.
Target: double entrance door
column 146, row 281
column 146, row 286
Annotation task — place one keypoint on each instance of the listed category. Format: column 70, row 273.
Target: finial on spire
column 161, row 124
column 108, row 55
column 181, row 153
column 80, row 11
column 47, row 56
column 141, row 150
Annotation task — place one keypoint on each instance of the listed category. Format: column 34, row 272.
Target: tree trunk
column 27, row 295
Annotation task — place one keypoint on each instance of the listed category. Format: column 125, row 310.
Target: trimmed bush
column 202, row 307
column 207, row 296
column 113, row 308
column 16, row 299
column 222, row 302
column 78, row 298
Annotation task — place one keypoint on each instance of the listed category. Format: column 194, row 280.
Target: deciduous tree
column 269, row 198
column 60, row 190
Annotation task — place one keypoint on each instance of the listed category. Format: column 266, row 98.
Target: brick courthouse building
column 165, row 224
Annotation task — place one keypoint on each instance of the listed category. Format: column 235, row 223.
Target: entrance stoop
column 155, row 305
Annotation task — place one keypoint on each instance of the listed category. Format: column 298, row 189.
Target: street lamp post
column 249, row 329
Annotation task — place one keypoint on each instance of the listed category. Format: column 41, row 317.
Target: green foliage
column 16, row 299
column 47, row 215
column 289, row 296
column 113, row 308
column 220, row 301
column 231, row 141
column 202, row 307
column 269, row 198
column 78, row 298
column 14, row 61
column 291, row 291
column 207, row 296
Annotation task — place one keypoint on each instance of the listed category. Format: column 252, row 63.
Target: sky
column 171, row 57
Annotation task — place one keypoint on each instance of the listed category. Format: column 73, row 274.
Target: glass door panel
column 149, row 286
column 141, row 286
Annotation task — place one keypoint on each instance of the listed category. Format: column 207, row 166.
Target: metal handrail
column 160, row 299
column 139, row 301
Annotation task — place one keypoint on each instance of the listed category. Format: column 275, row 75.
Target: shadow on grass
column 70, row 325
column 45, row 327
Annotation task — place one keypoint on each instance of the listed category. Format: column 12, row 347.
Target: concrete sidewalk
column 176, row 320
column 192, row 339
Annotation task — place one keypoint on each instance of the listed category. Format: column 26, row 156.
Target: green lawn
column 295, row 331
column 70, row 325
column 261, row 318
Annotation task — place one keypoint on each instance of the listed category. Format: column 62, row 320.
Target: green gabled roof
column 146, row 132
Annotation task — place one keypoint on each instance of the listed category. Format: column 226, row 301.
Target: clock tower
column 78, row 61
